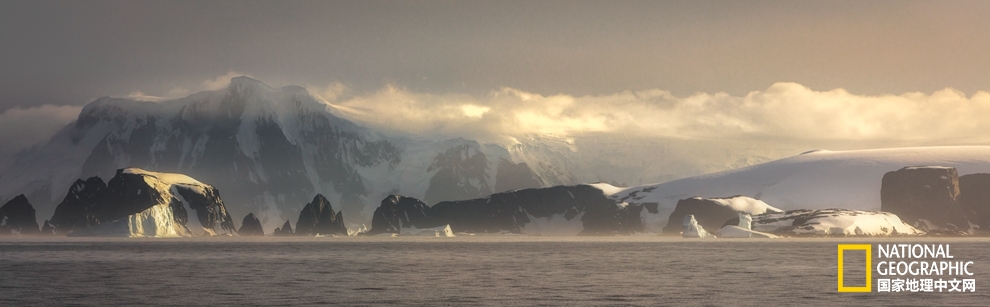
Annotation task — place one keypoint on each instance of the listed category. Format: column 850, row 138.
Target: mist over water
column 466, row 270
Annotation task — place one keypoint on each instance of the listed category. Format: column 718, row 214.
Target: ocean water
column 466, row 270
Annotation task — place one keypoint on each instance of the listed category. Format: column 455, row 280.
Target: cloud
column 179, row 91
column 784, row 112
column 20, row 128
column 139, row 95
column 221, row 81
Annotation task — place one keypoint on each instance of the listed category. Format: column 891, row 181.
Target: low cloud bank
column 785, row 112
column 23, row 127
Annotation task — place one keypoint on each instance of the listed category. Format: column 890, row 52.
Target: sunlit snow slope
column 813, row 180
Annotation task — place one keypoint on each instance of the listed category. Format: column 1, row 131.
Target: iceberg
column 743, row 229
column 693, row 230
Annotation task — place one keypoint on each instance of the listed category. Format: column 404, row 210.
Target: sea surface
column 461, row 271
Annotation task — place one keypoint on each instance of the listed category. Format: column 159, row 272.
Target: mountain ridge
column 269, row 149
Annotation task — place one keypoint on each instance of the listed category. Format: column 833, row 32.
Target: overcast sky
column 65, row 53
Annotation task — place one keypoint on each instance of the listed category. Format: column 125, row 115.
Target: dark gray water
column 496, row 271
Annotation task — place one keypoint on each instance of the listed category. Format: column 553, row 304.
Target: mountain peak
column 245, row 83
column 246, row 80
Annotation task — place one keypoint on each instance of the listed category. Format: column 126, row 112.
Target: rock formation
column 77, row 209
column 17, row 217
column 136, row 202
column 925, row 197
column 559, row 210
column 974, row 198
column 251, row 226
column 713, row 213
column 284, row 231
column 396, row 212
column 318, row 218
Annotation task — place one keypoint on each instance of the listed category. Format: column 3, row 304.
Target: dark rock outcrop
column 48, row 229
column 919, row 194
column 709, row 213
column 285, row 230
column 77, row 209
column 90, row 203
column 512, row 211
column 396, row 212
column 17, row 216
column 251, row 226
column 209, row 208
column 318, row 217
column 974, row 198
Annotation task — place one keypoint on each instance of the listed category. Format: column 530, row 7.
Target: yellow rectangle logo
column 869, row 259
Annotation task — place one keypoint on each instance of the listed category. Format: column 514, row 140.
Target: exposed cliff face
column 713, row 213
column 397, row 212
column 318, row 218
column 77, row 209
column 285, row 230
column 561, row 210
column 974, row 198
column 251, row 226
column 136, row 202
column 925, row 197
column 17, row 217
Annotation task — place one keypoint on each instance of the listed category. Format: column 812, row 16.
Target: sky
column 802, row 73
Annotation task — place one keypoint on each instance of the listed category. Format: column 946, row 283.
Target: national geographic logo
column 909, row 268
column 869, row 272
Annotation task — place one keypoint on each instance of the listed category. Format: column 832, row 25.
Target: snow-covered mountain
column 812, row 180
column 270, row 150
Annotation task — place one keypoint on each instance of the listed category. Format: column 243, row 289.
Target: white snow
column 928, row 167
column 746, row 204
column 654, row 222
column 192, row 222
column 732, row 231
column 819, row 179
column 156, row 221
column 814, row 180
column 353, row 230
column 606, row 188
column 170, row 182
column 743, row 229
column 441, row 231
column 693, row 230
column 838, row 222
column 168, row 178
